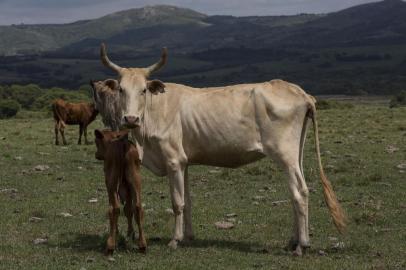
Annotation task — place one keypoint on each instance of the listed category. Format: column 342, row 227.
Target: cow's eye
column 120, row 90
column 144, row 91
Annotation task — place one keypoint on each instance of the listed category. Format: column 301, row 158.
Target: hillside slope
column 359, row 50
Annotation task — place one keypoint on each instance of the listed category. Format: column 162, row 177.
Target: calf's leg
column 128, row 211
column 114, row 211
column 135, row 194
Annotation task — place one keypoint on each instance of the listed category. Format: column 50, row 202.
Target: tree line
column 34, row 98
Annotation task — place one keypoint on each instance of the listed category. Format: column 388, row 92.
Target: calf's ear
column 112, row 84
column 98, row 134
column 94, row 91
column 156, row 86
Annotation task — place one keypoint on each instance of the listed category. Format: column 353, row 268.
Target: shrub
column 44, row 102
column 25, row 94
column 398, row 100
column 323, row 104
column 8, row 108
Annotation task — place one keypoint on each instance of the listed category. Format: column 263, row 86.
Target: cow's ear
column 112, row 84
column 156, row 86
column 98, row 134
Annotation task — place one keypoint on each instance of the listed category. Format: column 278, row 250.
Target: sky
column 65, row 11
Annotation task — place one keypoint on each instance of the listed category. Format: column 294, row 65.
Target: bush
column 8, row 108
column 44, row 102
column 323, row 104
column 25, row 94
column 398, row 100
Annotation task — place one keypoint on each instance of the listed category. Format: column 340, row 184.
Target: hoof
column 298, row 251
column 189, row 238
column 111, row 259
column 173, row 244
column 109, row 252
column 142, row 250
column 131, row 236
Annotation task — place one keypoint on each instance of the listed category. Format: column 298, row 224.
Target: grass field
column 361, row 149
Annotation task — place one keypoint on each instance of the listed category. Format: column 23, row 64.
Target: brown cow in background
column 123, row 180
column 66, row 113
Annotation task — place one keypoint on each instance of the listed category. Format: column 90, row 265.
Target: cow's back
column 226, row 126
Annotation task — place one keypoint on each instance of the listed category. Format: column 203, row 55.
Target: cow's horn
column 106, row 61
column 159, row 64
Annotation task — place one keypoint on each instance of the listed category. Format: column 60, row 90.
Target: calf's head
column 105, row 138
column 131, row 88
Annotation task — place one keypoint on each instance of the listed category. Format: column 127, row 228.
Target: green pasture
column 363, row 151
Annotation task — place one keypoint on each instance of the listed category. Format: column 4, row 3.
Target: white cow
column 176, row 126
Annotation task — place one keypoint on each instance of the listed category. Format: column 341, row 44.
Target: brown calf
column 123, row 180
column 66, row 113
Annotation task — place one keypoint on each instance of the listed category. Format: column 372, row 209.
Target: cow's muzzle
column 131, row 121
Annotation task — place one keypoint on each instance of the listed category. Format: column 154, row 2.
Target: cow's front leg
column 176, row 183
column 189, row 235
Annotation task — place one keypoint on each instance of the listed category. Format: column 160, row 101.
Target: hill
column 358, row 50
column 25, row 39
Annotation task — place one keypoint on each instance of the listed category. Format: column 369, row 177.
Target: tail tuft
column 336, row 212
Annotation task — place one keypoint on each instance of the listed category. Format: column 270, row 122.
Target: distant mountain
column 145, row 29
column 374, row 23
column 361, row 49
column 24, row 39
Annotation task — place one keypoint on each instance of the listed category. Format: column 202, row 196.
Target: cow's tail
column 57, row 115
column 337, row 213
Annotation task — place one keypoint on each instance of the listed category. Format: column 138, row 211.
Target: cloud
column 54, row 11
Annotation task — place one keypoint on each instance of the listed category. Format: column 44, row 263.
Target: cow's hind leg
column 299, row 195
column 290, row 159
column 176, row 183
